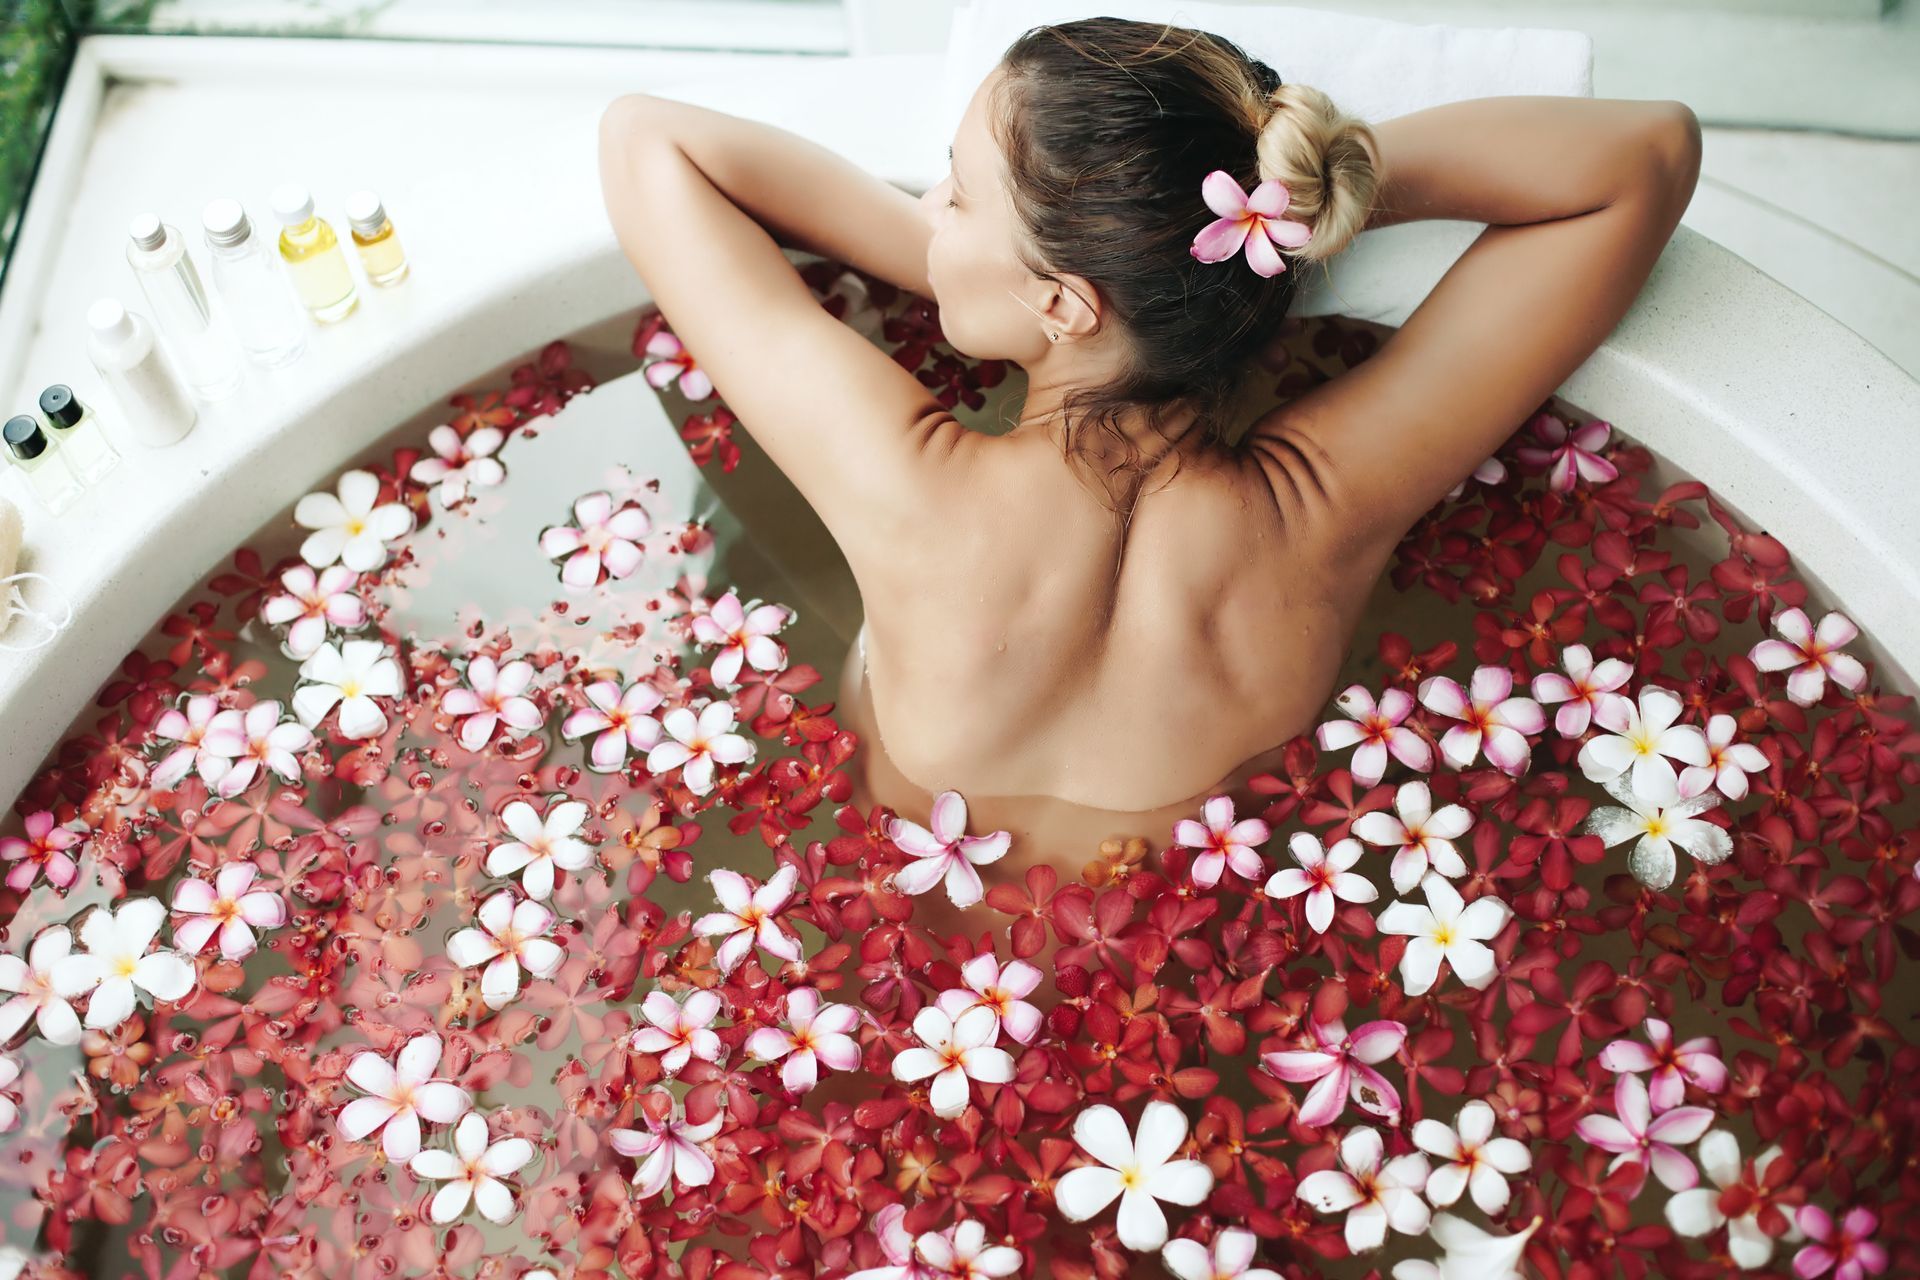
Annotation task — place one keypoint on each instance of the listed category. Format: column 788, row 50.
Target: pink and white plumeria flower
column 1341, row 1064
column 1138, row 1169
column 496, row 696
column 116, row 961
column 509, row 934
column 1695, row 1212
column 962, row 1252
column 1468, row 1158
column 1585, row 688
column 474, row 1172
column 619, row 721
column 1490, row 471
column 750, row 916
column 1695, row 1062
column 1323, row 875
column 1373, row 1194
column 1219, row 843
column 1471, row 1252
column 460, row 463
column 30, row 984
column 399, row 1096
column 1493, row 719
column 1420, row 838
column 349, row 528
column 209, row 736
column 1571, row 453
column 668, row 1147
column 1655, row 830
column 1847, row 1248
column 696, row 743
column 1446, row 928
column 946, row 852
column 1810, row 654
column 1252, row 221
column 230, row 907
column 311, row 603
column 896, row 1246
column 1728, row 762
column 681, row 1030
column 742, row 636
column 956, row 1050
column 1634, row 1133
column 674, row 363
column 352, row 675
column 1380, row 729
column 9, row 1105
column 1231, row 1257
column 1000, row 988
column 1641, row 738
column 540, row 845
column 48, row 846
column 602, row 538
column 816, row 1036
column 271, row 743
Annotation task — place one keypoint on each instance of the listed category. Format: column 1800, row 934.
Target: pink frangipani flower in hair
column 1493, row 720
column 1340, row 1064
column 1379, row 728
column 946, row 852
column 1252, row 221
column 1221, row 843
column 1696, row 1061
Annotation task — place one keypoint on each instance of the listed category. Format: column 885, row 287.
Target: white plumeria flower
column 1002, row 989
column 668, row 1147
column 270, row 743
column 1230, row 1259
column 116, row 961
column 1696, row 1212
column 817, row 1036
column 1472, row 1254
column 1640, row 738
column 349, row 528
column 743, row 636
column 680, row 1031
column 1585, row 688
column 463, row 462
column 352, row 675
column 510, row 934
column 399, row 1096
column 1421, row 839
column 1373, row 1195
column 605, row 538
column 1221, row 844
column 697, row 743
column 312, row 603
column 1469, row 1158
column 962, row 1252
column 750, row 916
column 497, row 697
column 1728, row 762
column 30, row 982
column 1139, row 1169
column 230, row 907
column 1493, row 719
column 210, row 737
column 1656, row 829
column 9, row 1109
column 1809, row 655
column 541, row 844
column 955, row 1052
column 1323, row 875
column 946, row 852
column 1379, row 727
column 1446, row 928
column 473, row 1172
column 619, row 722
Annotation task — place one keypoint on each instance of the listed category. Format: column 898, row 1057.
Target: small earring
column 1053, row 337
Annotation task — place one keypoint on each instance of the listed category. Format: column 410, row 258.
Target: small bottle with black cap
column 77, row 430
column 48, row 476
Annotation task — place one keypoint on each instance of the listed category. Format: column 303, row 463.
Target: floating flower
column 1447, row 928
column 541, row 844
column 1373, row 1195
column 1001, row 989
column 667, row 1148
column 674, row 363
column 1380, row 729
column 312, row 603
column 462, row 463
column 1585, row 688
column 962, row 1251
column 1635, row 1133
column 1696, row 1062
column 1323, row 875
column 349, row 528
column 1467, row 1157
column 116, row 961
column 1848, row 1249
column 30, row 982
column 474, row 1172
column 606, row 540
column 1139, row 1169
column 750, row 916
column 1572, row 453
column 510, row 934
column 1230, row 1259
column 680, row 1031
column 270, row 743
column 956, row 1051
column 1696, row 1211
column 399, row 1096
column 1252, row 221
column 230, row 907
column 1221, row 843
column 1341, row 1063
column 896, row 1246
column 1809, row 655
column 742, row 636
column 1421, row 839
column 946, row 852
column 1641, row 738
column 1472, row 1253
column 1492, row 720
column 9, row 1106
column 209, row 737
column 1728, row 762
column 816, row 1036
column 618, row 720
column 45, row 848
column 699, row 743
column 497, row 697
column 352, row 675
column 1657, row 829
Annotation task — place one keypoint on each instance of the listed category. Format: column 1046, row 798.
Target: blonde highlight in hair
column 1328, row 161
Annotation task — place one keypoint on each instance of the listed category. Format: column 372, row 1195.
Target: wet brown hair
column 1108, row 127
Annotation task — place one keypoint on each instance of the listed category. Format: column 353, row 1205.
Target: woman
column 1126, row 604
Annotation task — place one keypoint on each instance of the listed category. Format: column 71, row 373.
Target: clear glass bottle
column 194, row 334
column 315, row 261
column 267, row 316
column 48, row 475
column 77, row 428
column 376, row 241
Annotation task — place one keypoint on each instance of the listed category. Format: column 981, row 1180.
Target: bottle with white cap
column 153, row 401
column 374, row 237
column 194, row 334
column 266, row 314
column 315, row 261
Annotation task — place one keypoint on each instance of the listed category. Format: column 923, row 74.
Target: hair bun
column 1328, row 161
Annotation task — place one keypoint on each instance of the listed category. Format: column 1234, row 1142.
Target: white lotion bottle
column 266, row 313
column 153, row 401
column 198, row 339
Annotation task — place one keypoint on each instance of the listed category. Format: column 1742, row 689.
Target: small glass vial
column 194, row 334
column 155, row 405
column 48, row 475
column 381, row 256
column 267, row 316
column 315, row 262
column 77, row 427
